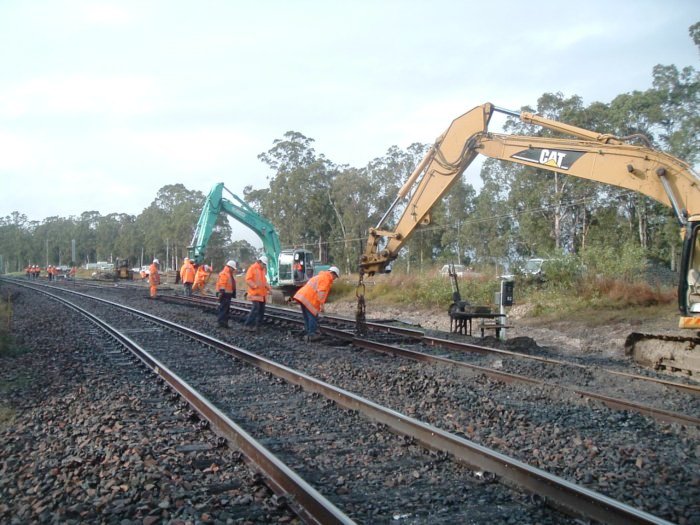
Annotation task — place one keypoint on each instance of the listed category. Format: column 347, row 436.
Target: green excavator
column 287, row 270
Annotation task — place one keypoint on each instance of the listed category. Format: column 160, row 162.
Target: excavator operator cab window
column 693, row 276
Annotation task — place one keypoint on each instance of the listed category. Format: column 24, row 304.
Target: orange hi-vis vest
column 226, row 281
column 187, row 273
column 256, row 281
column 153, row 275
column 314, row 293
column 201, row 276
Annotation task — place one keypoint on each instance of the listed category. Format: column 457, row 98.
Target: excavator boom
column 214, row 204
column 604, row 158
column 593, row 156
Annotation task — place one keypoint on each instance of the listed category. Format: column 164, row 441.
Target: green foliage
column 563, row 272
column 625, row 263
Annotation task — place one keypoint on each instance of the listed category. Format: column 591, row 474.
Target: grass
column 597, row 299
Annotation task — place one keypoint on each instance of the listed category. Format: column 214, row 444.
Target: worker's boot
column 314, row 337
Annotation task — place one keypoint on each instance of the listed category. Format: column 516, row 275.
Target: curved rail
column 560, row 493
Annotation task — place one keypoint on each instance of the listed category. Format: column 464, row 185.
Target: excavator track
column 675, row 354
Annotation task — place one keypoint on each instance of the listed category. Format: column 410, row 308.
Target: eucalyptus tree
column 296, row 201
column 15, row 245
column 168, row 224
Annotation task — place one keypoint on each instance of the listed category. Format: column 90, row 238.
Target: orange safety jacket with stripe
column 256, row 281
column 226, row 281
column 153, row 275
column 187, row 273
column 314, row 293
column 201, row 276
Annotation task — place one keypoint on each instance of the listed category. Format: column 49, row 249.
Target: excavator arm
column 589, row 155
column 213, row 206
column 586, row 154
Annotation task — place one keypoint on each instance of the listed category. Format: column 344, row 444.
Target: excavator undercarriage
column 674, row 354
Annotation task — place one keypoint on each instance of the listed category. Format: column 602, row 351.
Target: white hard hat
column 335, row 270
column 263, row 259
column 156, row 261
column 232, row 264
column 206, row 267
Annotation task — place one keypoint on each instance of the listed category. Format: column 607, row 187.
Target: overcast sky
column 104, row 103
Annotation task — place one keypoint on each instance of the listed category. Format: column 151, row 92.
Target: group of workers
column 33, row 271
column 311, row 297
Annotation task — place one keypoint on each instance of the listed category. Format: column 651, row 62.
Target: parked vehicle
column 459, row 270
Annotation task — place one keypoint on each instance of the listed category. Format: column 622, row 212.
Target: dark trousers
column 188, row 290
column 257, row 312
column 224, row 306
column 310, row 320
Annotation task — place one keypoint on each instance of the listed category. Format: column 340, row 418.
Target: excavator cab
column 296, row 266
column 689, row 287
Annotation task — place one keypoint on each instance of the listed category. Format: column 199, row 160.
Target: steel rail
column 558, row 492
column 309, row 504
column 461, row 346
column 665, row 416
column 658, row 414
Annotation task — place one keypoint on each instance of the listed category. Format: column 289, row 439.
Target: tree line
column 518, row 212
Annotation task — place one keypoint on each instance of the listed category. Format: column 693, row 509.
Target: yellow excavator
column 626, row 162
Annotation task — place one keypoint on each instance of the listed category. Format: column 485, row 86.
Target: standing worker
column 258, row 288
column 312, row 296
column 225, row 291
column 187, row 276
column 154, row 277
column 201, row 276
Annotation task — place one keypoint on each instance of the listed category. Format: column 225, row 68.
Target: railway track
column 588, row 382
column 421, row 476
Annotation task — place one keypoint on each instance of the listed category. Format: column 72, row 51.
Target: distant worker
column 312, row 296
column 298, row 271
column 201, row 277
column 258, row 288
column 49, row 272
column 225, row 291
column 154, row 277
column 187, row 276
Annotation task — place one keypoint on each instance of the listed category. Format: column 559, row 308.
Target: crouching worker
column 225, row 291
column 312, row 296
column 258, row 288
column 201, row 277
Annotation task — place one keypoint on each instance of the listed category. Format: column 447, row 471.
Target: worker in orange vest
column 154, row 277
column 225, row 291
column 187, row 276
column 201, row 276
column 312, row 296
column 258, row 288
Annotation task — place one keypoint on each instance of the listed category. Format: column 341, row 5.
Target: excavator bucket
column 669, row 353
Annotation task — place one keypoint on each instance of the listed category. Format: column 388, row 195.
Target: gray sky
column 103, row 103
